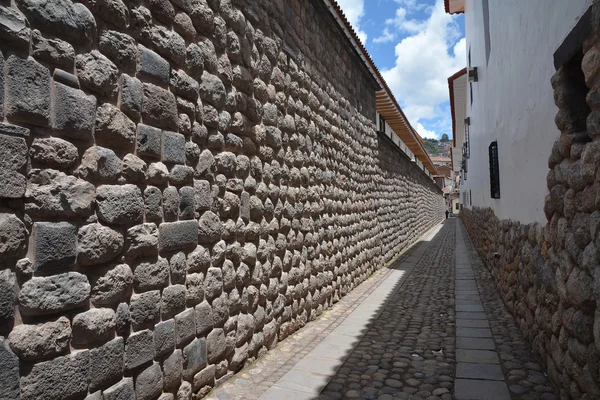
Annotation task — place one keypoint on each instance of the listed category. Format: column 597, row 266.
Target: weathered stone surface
column 71, row 21
column 194, row 358
column 14, row 28
column 149, row 141
column 56, row 51
column 122, row 318
column 194, row 285
column 73, row 112
column 139, row 349
column 54, row 245
column 151, row 274
column 181, row 174
column 203, row 195
column 97, row 73
column 51, row 193
column 173, row 148
column 53, row 152
column 111, row 285
column 153, row 65
column 113, row 128
column 94, row 326
column 173, row 301
column 100, row 164
column 120, row 48
column 9, row 373
column 142, row 240
column 134, row 168
column 61, row 378
column 13, row 235
column 120, row 204
column 159, row 107
column 164, row 337
column 122, row 390
column 212, row 90
column 185, row 326
column 149, row 383
column 209, row 228
column 14, row 130
column 177, row 235
column 145, row 309
column 132, row 93
column 204, row 319
column 215, row 345
column 157, row 174
column 54, row 294
column 41, row 342
column 205, row 377
column 106, row 364
column 172, row 370
column 185, row 391
column 13, row 153
column 213, row 283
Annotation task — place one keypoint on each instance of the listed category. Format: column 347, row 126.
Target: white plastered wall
column 513, row 99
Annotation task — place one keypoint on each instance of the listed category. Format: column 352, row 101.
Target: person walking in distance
column 447, row 212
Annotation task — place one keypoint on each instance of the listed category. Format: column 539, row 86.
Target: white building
column 506, row 99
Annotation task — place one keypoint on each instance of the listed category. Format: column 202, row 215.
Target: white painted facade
column 512, row 101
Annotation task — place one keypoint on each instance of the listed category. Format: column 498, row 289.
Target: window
column 381, row 123
column 494, row 171
column 457, row 206
column 470, row 198
column 486, row 29
column 470, row 83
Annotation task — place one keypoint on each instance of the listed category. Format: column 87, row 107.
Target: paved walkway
column 429, row 326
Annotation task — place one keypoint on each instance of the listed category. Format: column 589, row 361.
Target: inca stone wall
column 549, row 275
column 183, row 184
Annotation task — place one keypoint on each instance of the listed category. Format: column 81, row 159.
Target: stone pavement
column 430, row 326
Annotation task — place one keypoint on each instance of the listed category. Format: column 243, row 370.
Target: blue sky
column 416, row 46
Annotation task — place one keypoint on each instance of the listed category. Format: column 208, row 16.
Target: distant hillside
column 438, row 147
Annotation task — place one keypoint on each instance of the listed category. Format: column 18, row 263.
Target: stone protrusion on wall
column 549, row 275
column 180, row 191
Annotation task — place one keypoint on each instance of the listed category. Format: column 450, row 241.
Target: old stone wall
column 549, row 275
column 182, row 185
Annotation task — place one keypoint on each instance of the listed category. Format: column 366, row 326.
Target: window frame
column 494, row 170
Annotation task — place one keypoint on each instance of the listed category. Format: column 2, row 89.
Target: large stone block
column 212, row 90
column 14, row 28
column 123, row 390
column 53, row 152
column 27, row 91
column 187, row 203
column 94, row 326
column 97, row 73
column 216, row 346
column 173, row 301
column 98, row 244
column 54, row 294
column 204, row 318
column 145, row 309
column 54, row 245
column 41, row 342
column 142, row 240
column 106, row 364
column 120, row 48
column 177, row 235
column 203, row 195
column 71, row 21
column 170, row 203
column 113, row 128
column 53, row 50
column 51, row 193
column 73, row 112
column 149, row 383
column 164, row 338
column 194, row 358
column 113, row 11
column 209, row 228
column 172, row 370
column 62, row 378
column 13, row 159
column 139, row 349
column 7, row 295
column 13, row 235
column 120, row 204
column 149, row 141
column 159, row 107
column 132, row 93
column 111, row 285
column 173, row 148
column 153, row 66
column 10, row 386
column 185, row 326
column 151, row 274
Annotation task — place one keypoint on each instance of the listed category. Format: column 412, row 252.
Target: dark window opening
column 470, row 198
column 486, row 29
column 470, row 83
column 381, row 123
column 494, row 171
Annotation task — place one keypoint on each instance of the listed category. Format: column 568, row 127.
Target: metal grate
column 494, row 171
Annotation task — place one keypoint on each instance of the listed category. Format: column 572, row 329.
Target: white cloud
column 424, row 61
column 354, row 11
column 426, row 133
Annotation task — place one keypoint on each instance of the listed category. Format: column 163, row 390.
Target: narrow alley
column 431, row 325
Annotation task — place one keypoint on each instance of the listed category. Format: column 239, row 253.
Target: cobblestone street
column 430, row 326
